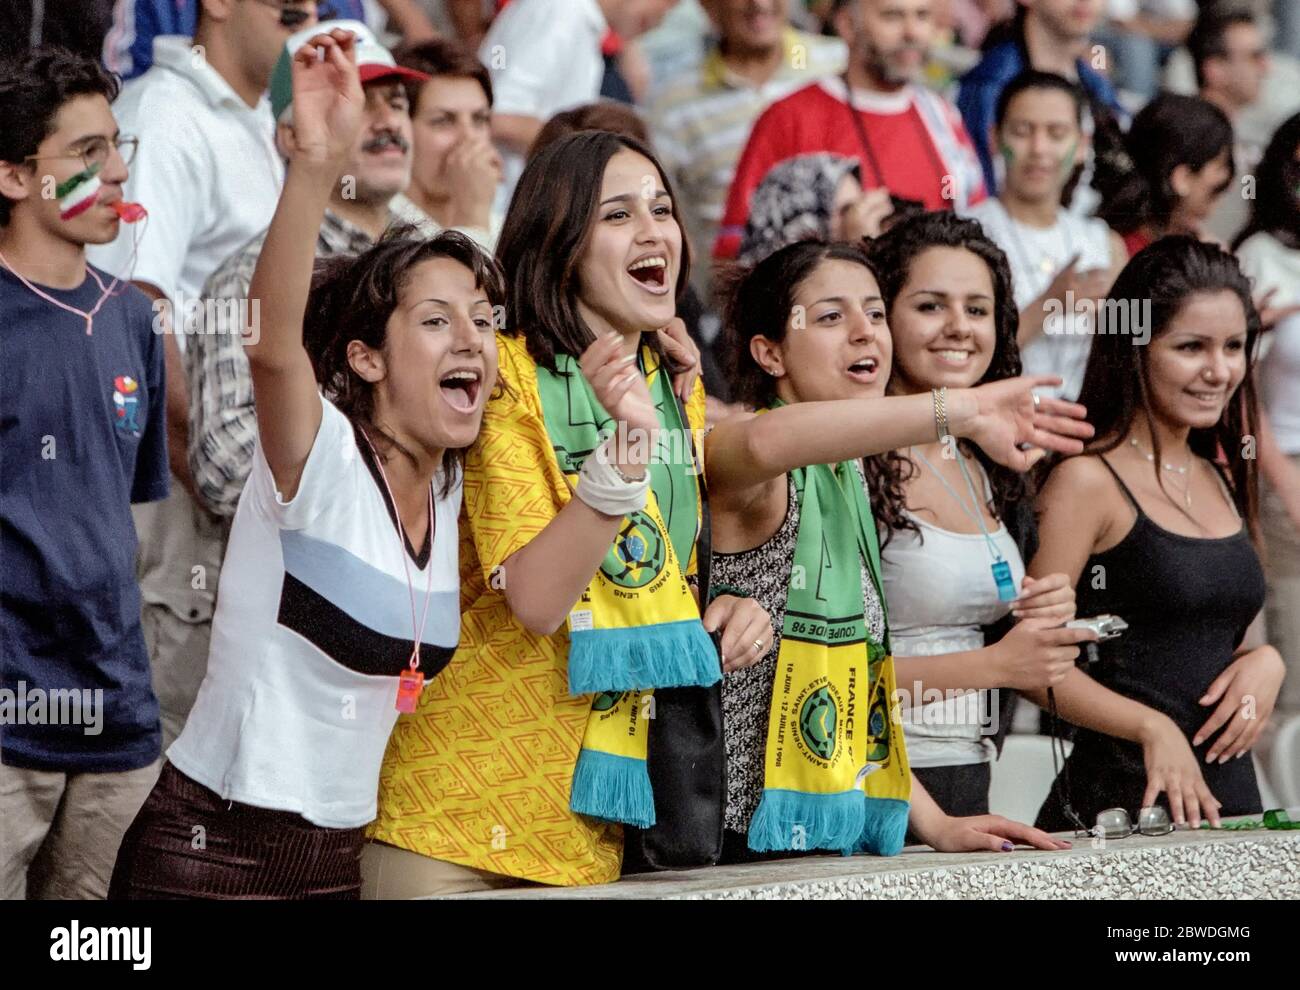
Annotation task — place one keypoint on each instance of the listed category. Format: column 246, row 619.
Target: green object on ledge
column 1274, row 820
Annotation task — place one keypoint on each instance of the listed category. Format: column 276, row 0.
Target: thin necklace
column 417, row 680
column 1182, row 472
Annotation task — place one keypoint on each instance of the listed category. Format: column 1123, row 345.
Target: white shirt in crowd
column 941, row 590
column 206, row 170
column 1272, row 265
column 544, row 56
column 1036, row 255
column 485, row 237
column 313, row 627
column 1126, row 10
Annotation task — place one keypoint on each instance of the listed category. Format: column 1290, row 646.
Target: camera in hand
column 1107, row 627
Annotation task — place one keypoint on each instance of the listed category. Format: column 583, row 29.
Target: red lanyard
column 869, row 152
column 411, row 681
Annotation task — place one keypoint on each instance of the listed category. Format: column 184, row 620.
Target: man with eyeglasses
column 209, row 174
column 82, row 436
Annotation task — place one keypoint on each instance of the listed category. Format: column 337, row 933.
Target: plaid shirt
column 223, row 424
column 701, row 121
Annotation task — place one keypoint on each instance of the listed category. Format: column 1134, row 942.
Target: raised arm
column 327, row 107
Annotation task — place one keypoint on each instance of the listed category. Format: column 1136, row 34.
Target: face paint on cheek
column 1067, row 163
column 79, row 193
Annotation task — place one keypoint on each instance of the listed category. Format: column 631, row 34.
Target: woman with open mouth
column 583, row 507
column 815, row 753
column 969, row 628
column 340, row 592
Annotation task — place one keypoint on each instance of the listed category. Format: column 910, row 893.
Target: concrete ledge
column 1186, row 864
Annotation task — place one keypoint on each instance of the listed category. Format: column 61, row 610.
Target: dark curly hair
column 758, row 301
column 352, row 298
column 34, row 86
column 892, row 255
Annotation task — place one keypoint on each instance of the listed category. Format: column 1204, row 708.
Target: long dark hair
column 758, row 302
column 1169, row 131
column 352, row 298
column 546, row 233
column 1116, row 383
column 892, row 255
column 1276, row 207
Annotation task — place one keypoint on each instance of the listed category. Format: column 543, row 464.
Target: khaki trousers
column 59, row 832
column 389, row 873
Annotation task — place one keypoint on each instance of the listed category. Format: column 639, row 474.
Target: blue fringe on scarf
column 670, row 654
column 614, row 788
column 794, row 820
column 884, row 829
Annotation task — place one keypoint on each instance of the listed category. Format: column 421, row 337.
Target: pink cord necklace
column 128, row 214
column 411, row 681
column 88, row 317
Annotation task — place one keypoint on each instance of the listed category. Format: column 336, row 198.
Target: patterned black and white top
column 764, row 573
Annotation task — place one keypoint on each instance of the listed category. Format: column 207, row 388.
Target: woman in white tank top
column 949, row 564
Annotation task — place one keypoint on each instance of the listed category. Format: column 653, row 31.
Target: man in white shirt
column 545, row 56
column 1231, row 62
column 209, row 174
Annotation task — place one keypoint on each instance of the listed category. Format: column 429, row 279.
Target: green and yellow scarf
column 836, row 773
column 636, row 627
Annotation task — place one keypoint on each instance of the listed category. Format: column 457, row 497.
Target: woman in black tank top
column 1156, row 532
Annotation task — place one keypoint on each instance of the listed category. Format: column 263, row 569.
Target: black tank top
column 1187, row 601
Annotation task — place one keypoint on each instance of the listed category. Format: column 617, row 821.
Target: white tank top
column 939, row 590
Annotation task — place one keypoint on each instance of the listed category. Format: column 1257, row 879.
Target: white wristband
column 603, row 488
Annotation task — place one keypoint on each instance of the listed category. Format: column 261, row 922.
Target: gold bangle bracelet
column 940, row 397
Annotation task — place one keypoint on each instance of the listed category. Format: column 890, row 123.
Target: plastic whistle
column 129, row 212
column 409, row 685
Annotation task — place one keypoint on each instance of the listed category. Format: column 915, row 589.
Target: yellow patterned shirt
column 480, row 773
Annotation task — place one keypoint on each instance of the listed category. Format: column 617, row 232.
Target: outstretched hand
column 328, row 102
column 1016, row 428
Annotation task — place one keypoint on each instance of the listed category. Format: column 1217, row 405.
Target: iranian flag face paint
column 78, row 194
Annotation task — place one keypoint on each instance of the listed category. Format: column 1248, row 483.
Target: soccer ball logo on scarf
column 817, row 722
column 638, row 554
column 605, row 700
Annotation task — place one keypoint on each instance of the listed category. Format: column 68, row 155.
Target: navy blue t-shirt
column 82, row 436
